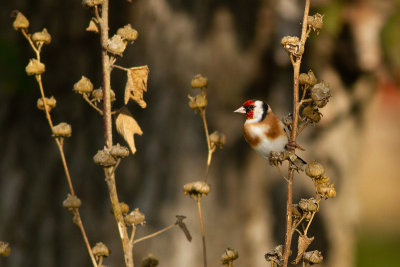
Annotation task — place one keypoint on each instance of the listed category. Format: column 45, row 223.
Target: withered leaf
column 302, row 245
column 127, row 127
column 136, row 84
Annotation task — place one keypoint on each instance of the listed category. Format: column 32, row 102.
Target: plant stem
column 210, row 149
column 203, row 236
column 154, row 234
column 296, row 71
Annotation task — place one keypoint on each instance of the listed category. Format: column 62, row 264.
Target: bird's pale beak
column 241, row 110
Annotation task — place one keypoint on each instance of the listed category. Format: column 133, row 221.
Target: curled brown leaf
column 127, row 126
column 136, row 84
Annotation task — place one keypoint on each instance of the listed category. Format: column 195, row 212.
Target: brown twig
column 154, row 234
column 209, row 148
column 296, row 71
column 92, row 105
column 203, row 236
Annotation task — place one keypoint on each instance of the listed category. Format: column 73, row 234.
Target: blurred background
column 236, row 44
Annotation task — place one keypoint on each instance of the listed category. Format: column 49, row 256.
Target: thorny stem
column 109, row 173
column 296, row 71
column 203, row 236
column 154, row 234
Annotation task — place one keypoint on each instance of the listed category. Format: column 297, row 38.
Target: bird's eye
column 249, row 107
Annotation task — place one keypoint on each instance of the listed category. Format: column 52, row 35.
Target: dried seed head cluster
column 62, row 129
column 127, row 33
column 41, row 37
column 100, row 250
column 275, row 256
column 116, row 45
column 307, row 79
column 320, row 94
column 50, row 103
column 34, row 67
column 104, row 158
column 124, row 207
column 199, row 81
column 72, row 202
column 311, row 113
column 310, row 204
column 314, row 169
column 217, row 139
column 118, row 151
column 84, row 85
column 313, row 257
column 135, row 218
column 20, row 21
column 149, row 261
column 229, row 256
column 293, row 45
column 196, row 189
column 315, row 22
column 5, row 249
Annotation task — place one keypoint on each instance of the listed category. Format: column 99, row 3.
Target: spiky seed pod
column 199, row 81
column 135, row 218
column 92, row 3
column 229, row 256
column 50, row 103
column 314, row 169
column 34, row 67
column 20, row 22
column 62, row 129
column 116, row 45
column 197, row 102
column 149, row 261
column 72, row 202
column 196, row 189
column 308, row 204
column 42, row 37
column 100, row 250
column 104, row 158
column 84, row 85
column 5, row 249
column 128, row 33
column 320, row 94
column 119, row 151
column 124, row 207
column 292, row 44
column 217, row 139
column 312, row 114
column 313, row 257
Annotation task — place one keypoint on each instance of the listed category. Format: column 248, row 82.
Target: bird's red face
column 247, row 109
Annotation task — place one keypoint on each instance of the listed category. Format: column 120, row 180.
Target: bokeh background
column 236, row 44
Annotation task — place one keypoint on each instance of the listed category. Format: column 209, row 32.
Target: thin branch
column 92, row 105
column 154, row 234
column 203, row 236
column 210, row 149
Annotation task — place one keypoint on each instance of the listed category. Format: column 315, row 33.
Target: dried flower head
column 104, row 158
column 116, row 45
column 92, row 3
column 199, row 81
column 20, row 21
column 128, row 33
column 5, row 249
column 135, row 218
column 217, row 139
column 313, row 257
column 34, row 67
column 196, row 189
column 275, row 255
column 100, row 250
column 149, row 261
column 72, row 202
column 50, row 103
column 42, row 37
column 320, row 94
column 311, row 113
column 307, row 79
column 292, row 44
column 197, row 102
column 314, row 169
column 62, row 129
column 124, row 207
column 229, row 256
column 119, row 151
column 315, row 22
column 326, row 190
column 84, row 85
column 308, row 204
column 97, row 95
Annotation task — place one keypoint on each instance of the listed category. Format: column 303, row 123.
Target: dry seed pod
column 314, row 169
column 100, row 250
column 292, row 44
column 229, row 256
column 128, row 33
column 217, row 139
column 308, row 79
column 308, row 204
column 5, row 249
column 199, row 81
column 34, row 67
column 119, row 151
column 312, row 78
column 135, row 218
column 84, row 85
column 303, row 78
column 50, row 103
column 92, row 27
column 42, row 37
column 197, row 102
column 20, row 22
column 150, row 261
column 311, row 113
column 313, row 257
column 196, row 189
column 97, row 95
column 92, row 3
column 116, row 45
column 72, row 202
column 315, row 22
column 326, row 190
column 320, row 94
column 62, row 129
column 124, row 207
column 275, row 255
column 104, row 158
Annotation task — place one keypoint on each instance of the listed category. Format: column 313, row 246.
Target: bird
column 263, row 130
